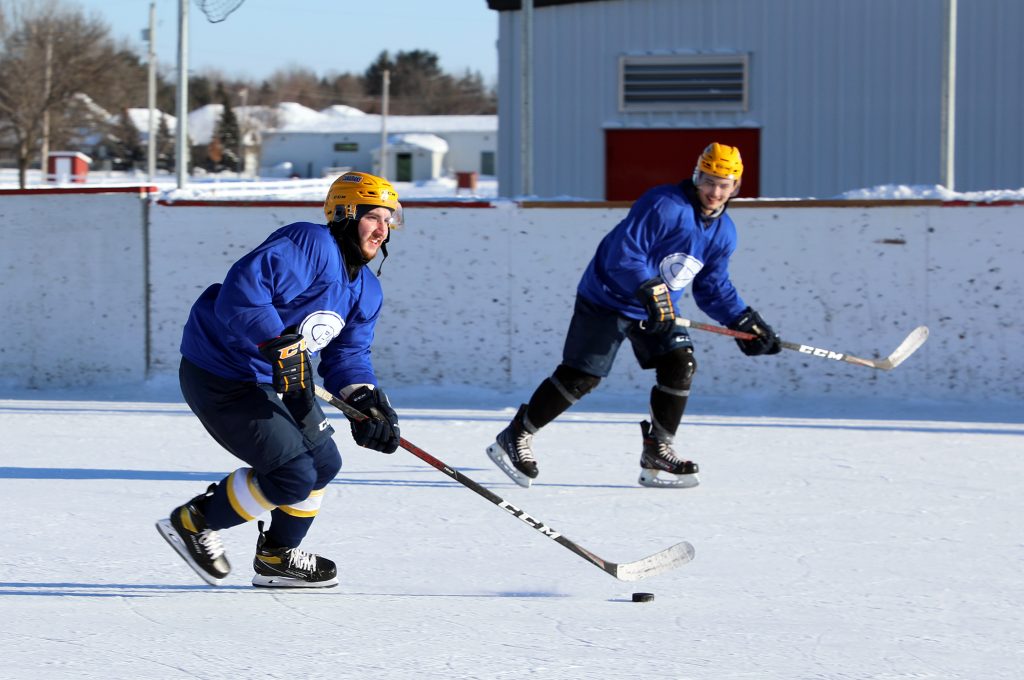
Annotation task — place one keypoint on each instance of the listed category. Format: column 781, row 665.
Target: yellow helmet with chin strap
column 354, row 189
column 719, row 160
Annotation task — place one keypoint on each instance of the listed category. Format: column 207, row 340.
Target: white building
column 821, row 96
column 414, row 156
column 323, row 145
column 293, row 140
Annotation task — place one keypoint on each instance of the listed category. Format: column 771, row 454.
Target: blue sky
column 262, row 36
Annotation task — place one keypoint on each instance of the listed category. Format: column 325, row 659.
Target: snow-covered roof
column 294, row 117
column 292, row 113
column 397, row 124
column 140, row 119
column 91, row 106
column 342, row 111
column 202, row 122
column 417, row 140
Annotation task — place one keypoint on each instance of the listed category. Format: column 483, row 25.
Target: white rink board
column 481, row 296
column 72, row 289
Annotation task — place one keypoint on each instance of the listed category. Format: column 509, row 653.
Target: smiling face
column 372, row 231
column 714, row 191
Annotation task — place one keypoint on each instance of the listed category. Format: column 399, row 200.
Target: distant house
column 293, row 140
column 419, row 147
column 413, row 157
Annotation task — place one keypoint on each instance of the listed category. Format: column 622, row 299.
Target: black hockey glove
column 289, row 362
column 379, row 431
column 661, row 315
column 766, row 342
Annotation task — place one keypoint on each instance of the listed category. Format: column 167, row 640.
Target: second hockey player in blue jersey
column 246, row 373
column 674, row 236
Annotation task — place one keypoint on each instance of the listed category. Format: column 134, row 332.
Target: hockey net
column 218, row 10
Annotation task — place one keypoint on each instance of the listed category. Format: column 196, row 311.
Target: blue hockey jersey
column 664, row 235
column 295, row 278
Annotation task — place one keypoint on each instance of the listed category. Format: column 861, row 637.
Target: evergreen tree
column 228, row 134
column 200, row 92
column 165, row 155
column 125, row 144
column 372, row 77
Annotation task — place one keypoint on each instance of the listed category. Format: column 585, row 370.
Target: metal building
column 821, row 96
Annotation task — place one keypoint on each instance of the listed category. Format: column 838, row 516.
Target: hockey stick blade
column 909, row 345
column 655, row 564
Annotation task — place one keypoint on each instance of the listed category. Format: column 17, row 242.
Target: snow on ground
column 228, row 186
column 833, row 540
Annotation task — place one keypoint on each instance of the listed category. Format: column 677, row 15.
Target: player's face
column 714, row 191
column 373, row 229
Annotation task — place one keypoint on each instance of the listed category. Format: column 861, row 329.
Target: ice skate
column 659, row 465
column 512, row 450
column 291, row 567
column 198, row 545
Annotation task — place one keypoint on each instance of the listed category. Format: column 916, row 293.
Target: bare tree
column 418, row 86
column 48, row 53
column 296, row 84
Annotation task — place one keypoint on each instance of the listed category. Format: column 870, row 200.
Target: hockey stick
column 658, row 563
column 909, row 345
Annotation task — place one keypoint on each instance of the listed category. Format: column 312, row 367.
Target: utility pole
column 526, row 99
column 182, row 98
column 44, row 150
column 947, row 144
column 385, row 93
column 243, row 95
column 150, row 35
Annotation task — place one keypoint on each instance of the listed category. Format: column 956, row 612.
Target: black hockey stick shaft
column 655, row 564
column 905, row 349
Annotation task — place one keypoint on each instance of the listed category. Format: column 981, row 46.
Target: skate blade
column 500, row 458
column 653, row 479
column 261, row 581
column 166, row 530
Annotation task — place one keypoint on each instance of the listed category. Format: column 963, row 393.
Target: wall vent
column 683, row 83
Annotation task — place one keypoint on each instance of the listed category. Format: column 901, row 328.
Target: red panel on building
column 636, row 160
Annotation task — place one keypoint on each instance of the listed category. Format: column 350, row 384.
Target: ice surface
column 832, row 540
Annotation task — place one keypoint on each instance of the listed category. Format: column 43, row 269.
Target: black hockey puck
column 643, row 597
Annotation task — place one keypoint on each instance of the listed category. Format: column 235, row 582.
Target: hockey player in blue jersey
column 246, row 373
column 673, row 236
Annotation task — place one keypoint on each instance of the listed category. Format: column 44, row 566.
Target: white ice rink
column 833, row 541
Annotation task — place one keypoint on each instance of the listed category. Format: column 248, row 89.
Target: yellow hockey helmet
column 719, row 160
column 354, row 189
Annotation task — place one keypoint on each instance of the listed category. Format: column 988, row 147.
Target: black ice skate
column 658, row 457
column 512, row 450
column 291, row 567
column 197, row 544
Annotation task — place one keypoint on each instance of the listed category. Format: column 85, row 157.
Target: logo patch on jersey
column 319, row 328
column 678, row 269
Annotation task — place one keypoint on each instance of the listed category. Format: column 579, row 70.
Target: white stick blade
column 658, row 563
column 907, row 347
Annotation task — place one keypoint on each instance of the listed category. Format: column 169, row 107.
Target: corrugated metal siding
column 990, row 88
column 846, row 93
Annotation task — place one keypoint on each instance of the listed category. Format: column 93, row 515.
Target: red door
column 636, row 160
